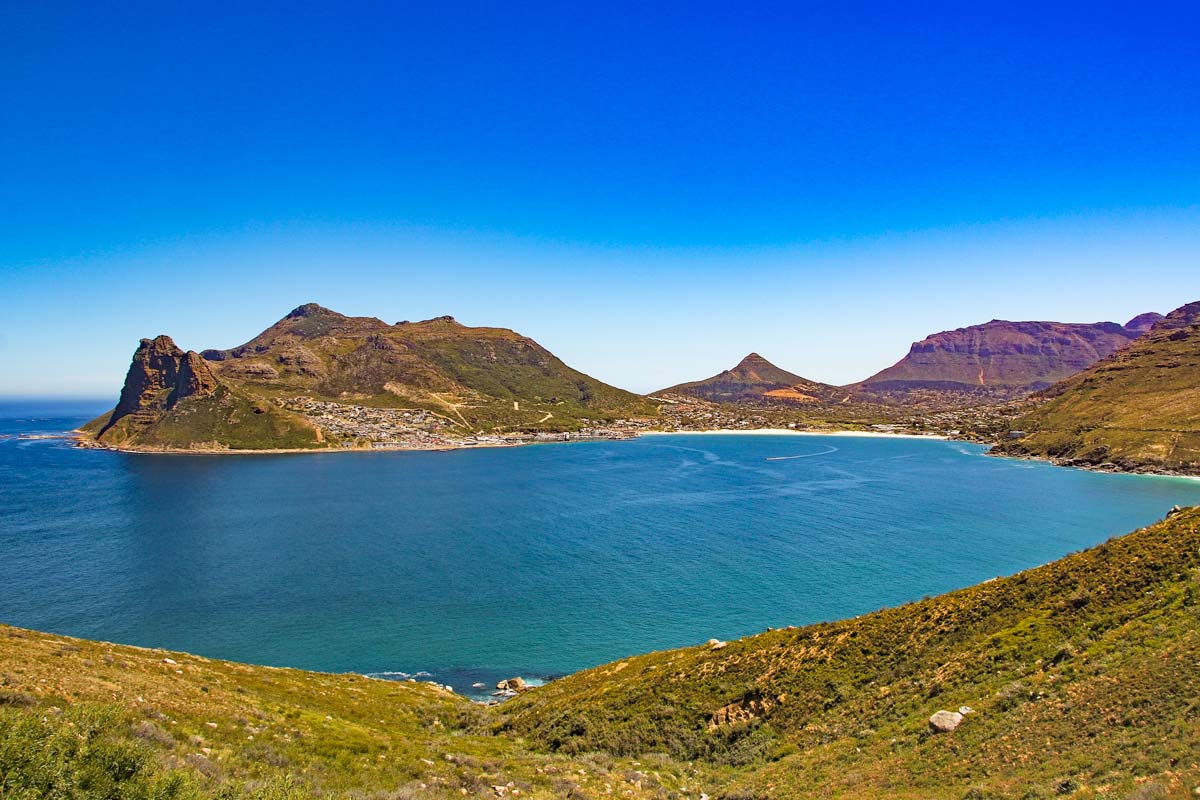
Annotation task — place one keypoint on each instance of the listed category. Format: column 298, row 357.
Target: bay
column 470, row 566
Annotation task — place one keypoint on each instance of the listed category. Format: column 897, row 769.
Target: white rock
column 945, row 721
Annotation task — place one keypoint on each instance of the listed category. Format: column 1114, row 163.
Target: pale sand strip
column 791, row 432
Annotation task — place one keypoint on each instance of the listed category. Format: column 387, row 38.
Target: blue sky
column 651, row 191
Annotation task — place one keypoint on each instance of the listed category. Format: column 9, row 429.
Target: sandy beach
column 792, row 432
column 85, row 441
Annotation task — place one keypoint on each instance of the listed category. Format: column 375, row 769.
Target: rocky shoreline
column 1091, row 466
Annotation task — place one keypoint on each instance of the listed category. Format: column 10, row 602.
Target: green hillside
column 481, row 378
column 1081, row 675
column 1139, row 409
column 82, row 719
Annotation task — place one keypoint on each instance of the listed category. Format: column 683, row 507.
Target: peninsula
column 317, row 379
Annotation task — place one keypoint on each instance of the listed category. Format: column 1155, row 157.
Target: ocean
column 470, row 566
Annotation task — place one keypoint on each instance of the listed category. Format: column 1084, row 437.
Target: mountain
column 753, row 380
column 1079, row 679
column 476, row 376
column 1138, row 409
column 318, row 378
column 1003, row 360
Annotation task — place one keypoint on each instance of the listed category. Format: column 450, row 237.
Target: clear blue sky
column 650, row 190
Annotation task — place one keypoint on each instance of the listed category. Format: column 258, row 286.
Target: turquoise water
column 540, row 560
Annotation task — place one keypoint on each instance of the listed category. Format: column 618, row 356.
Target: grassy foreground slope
column 1139, row 409
column 1082, row 675
column 81, row 719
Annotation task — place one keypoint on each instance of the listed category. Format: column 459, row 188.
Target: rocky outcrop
column 511, row 687
column 1181, row 319
column 160, row 376
column 744, row 710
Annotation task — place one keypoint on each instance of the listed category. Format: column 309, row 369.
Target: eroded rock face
column 160, row 376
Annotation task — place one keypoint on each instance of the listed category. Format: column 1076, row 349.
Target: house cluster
column 357, row 426
column 685, row 414
column 420, row 429
column 986, row 423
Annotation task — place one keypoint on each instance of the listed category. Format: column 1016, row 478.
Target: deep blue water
column 540, row 560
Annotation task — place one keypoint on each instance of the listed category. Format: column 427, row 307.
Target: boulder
column 945, row 721
column 515, row 685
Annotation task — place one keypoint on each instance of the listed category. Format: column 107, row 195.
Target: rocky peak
column 161, row 375
column 1143, row 322
column 310, row 310
column 1182, row 317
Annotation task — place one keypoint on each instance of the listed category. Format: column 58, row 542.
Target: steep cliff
column 1002, row 359
column 172, row 399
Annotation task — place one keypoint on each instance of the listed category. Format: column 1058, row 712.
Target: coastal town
column 378, row 428
column 381, row 428
column 983, row 423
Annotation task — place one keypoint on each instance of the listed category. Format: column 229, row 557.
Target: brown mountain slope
column 754, row 379
column 481, row 377
column 1004, row 359
column 1139, row 409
